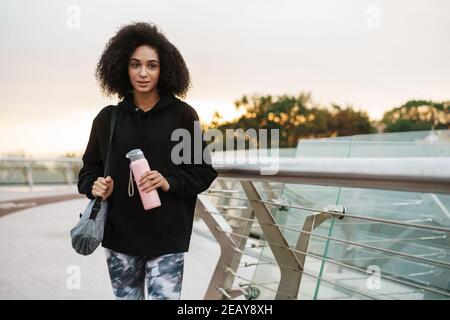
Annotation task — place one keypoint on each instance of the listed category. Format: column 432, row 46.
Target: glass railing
column 365, row 259
column 31, row 172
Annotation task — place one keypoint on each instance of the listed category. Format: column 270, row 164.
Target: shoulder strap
column 111, row 132
column 97, row 204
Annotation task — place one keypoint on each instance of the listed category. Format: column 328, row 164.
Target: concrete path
column 38, row 262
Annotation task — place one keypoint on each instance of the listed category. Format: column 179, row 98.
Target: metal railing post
column 29, row 175
column 230, row 251
column 68, row 174
column 288, row 263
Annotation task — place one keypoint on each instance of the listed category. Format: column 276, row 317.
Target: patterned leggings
column 138, row 277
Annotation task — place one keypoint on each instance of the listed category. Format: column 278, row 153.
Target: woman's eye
column 153, row 66
column 134, row 65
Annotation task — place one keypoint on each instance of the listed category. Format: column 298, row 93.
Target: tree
column 347, row 122
column 417, row 115
column 295, row 117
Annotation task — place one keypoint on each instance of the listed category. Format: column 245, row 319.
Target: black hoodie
column 129, row 228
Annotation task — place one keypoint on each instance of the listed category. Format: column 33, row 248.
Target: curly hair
column 112, row 68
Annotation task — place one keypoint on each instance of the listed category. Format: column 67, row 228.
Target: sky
column 373, row 55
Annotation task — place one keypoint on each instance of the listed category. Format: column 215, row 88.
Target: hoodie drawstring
column 144, row 145
column 147, row 129
column 130, row 185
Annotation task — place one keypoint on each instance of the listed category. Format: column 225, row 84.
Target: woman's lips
column 143, row 83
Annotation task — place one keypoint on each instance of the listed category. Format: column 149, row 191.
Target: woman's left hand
column 151, row 180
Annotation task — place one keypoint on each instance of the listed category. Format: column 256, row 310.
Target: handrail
column 426, row 175
column 68, row 164
column 417, row 174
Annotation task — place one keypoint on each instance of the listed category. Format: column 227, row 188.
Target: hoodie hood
column 143, row 118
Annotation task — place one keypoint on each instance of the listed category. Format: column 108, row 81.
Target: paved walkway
column 38, row 262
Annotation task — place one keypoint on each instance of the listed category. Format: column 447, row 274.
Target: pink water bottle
column 139, row 165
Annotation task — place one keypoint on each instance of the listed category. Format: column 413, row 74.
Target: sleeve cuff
column 172, row 183
column 89, row 191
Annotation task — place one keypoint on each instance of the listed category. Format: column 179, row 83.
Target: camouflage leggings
column 137, row 278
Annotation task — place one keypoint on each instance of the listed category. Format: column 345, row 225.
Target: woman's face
column 143, row 69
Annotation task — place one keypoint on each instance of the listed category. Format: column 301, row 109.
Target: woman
column 144, row 249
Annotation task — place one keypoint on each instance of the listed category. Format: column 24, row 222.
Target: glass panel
column 367, row 259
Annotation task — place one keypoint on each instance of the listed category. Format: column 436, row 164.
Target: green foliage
column 417, row 115
column 295, row 117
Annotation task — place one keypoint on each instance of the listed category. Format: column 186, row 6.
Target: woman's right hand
column 103, row 187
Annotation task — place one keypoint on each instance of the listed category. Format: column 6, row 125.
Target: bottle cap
column 135, row 154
